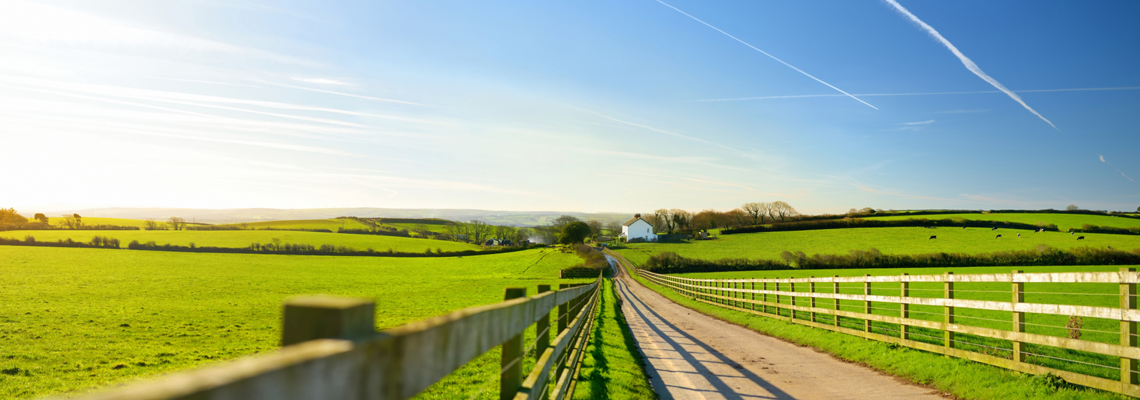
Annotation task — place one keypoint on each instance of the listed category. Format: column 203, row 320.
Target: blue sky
column 578, row 106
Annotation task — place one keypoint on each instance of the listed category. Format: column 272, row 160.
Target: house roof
column 635, row 219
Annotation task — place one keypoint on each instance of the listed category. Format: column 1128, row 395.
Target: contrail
column 966, row 60
column 765, row 53
column 799, row 96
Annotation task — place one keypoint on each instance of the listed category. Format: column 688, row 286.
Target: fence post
column 511, row 361
column 866, row 304
column 811, row 288
column 777, row 296
column 542, row 341
column 562, row 310
column 1127, row 328
column 948, row 311
column 835, row 289
column 1018, row 317
column 326, row 317
column 764, row 286
column 904, row 308
column 792, row 298
column 753, row 295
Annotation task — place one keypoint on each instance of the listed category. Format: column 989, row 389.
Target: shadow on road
column 716, row 380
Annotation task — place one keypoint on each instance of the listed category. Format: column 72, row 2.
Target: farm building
column 638, row 229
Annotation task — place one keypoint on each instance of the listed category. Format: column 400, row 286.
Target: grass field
column 244, row 238
column 74, row 319
column 906, row 240
column 138, row 223
column 1063, row 221
column 330, row 224
column 961, row 378
column 612, row 367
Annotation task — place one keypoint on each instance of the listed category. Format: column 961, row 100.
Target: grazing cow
column 993, row 229
column 1019, row 235
column 1080, row 238
column 933, row 237
column 998, row 237
column 1071, row 233
column 963, row 227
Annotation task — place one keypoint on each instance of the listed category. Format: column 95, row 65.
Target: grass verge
column 612, row 367
column 961, row 378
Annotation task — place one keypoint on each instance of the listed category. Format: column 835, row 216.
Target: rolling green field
column 138, row 223
column 244, row 238
column 75, row 319
column 1063, row 221
column 905, row 240
column 330, row 224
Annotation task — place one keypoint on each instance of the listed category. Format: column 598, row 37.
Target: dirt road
column 690, row 355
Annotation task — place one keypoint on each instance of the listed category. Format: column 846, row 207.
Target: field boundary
column 332, row 351
column 732, row 294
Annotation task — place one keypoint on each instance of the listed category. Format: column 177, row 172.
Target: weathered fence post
column 904, row 308
column 765, row 296
column 324, row 317
column 835, row 289
column 778, row 296
column 792, row 298
column 1127, row 328
column 948, row 311
column 562, row 309
column 511, row 361
column 811, row 300
column 866, row 304
column 753, row 295
column 542, row 341
column 1018, row 317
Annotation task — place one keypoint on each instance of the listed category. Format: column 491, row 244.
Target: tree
column 852, row 211
column 595, row 228
column 681, row 219
column 665, row 220
column 71, row 221
column 614, row 227
column 653, row 221
column 736, row 217
column 561, row 221
column 708, row 219
column 478, row 230
column 1072, row 207
column 755, row 211
column 574, row 232
column 176, row 223
column 503, row 232
column 151, row 225
column 41, row 217
column 10, row 215
column 783, row 210
column 1137, row 209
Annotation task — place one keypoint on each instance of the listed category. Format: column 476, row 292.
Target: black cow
column 1019, row 235
column 1080, row 238
column 933, row 237
column 998, row 237
column 993, row 229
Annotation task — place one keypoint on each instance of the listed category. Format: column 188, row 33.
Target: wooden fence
column 816, row 302
column 331, row 351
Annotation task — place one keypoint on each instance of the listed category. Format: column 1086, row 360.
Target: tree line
column 881, row 223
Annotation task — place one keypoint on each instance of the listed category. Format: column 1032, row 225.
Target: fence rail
column 331, row 351
column 779, row 298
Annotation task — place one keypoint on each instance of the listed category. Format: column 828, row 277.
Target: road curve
column 690, row 355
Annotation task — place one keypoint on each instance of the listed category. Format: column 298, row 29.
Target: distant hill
column 512, row 218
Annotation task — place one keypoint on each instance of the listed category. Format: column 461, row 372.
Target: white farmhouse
column 637, row 228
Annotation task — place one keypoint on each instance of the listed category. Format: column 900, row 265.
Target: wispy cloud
column 766, row 53
column 919, row 123
column 322, row 81
column 961, row 111
column 344, row 94
column 1126, row 176
column 803, row 96
column 970, row 65
column 1102, row 159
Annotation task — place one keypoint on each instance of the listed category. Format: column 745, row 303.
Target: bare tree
column 614, row 227
column 681, row 219
column 708, row 219
column 783, row 210
column 176, row 223
column 71, row 221
column 151, row 225
column 736, row 217
column 561, row 221
column 665, row 219
column 479, row 230
column 595, row 227
column 1072, row 207
column 755, row 211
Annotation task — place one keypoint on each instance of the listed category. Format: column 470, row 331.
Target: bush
column 671, row 263
column 876, row 223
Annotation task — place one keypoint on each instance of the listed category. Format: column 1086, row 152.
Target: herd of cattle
column 1018, row 235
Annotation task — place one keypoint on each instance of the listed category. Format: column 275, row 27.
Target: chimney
column 637, row 215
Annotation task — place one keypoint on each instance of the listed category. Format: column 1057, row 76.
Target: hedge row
column 878, row 223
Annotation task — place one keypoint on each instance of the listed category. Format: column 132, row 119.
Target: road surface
column 690, row 355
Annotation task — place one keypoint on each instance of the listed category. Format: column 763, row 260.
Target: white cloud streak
column 919, row 123
column 345, row 94
column 801, row 96
column 1102, row 159
column 766, row 53
column 970, row 65
column 1126, row 176
column 322, row 81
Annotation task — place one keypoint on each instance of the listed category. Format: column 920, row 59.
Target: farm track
column 690, row 355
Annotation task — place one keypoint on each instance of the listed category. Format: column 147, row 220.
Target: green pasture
column 1063, row 221
column 244, row 238
column 107, row 221
column 904, row 240
column 1088, row 294
column 330, row 224
column 422, row 227
column 77, row 319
